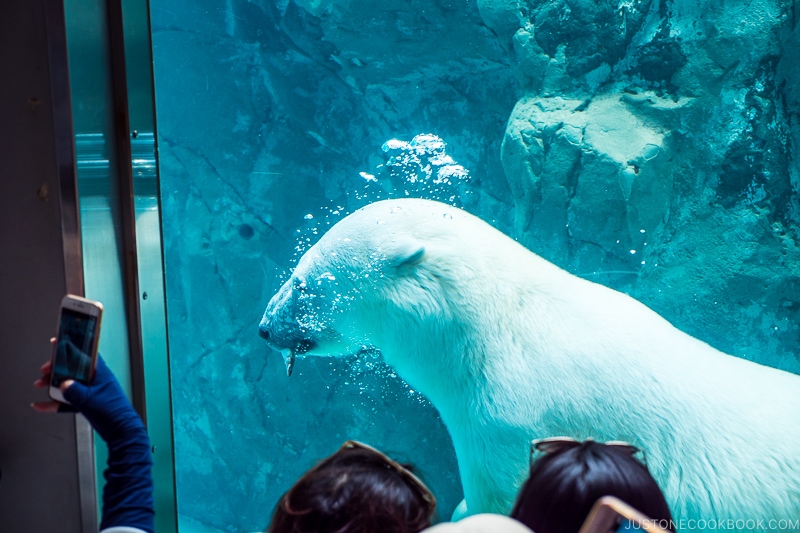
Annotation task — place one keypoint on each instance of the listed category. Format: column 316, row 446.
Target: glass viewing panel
column 621, row 153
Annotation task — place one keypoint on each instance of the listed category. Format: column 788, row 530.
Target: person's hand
column 43, row 382
column 128, row 492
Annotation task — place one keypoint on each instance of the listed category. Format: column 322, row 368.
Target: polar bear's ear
column 405, row 253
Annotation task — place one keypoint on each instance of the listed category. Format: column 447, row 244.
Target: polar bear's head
column 388, row 274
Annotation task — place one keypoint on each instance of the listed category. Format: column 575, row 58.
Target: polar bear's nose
column 263, row 332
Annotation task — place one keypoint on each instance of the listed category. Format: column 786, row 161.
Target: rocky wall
column 655, row 151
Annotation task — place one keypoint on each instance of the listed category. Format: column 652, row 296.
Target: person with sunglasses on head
column 568, row 476
column 358, row 489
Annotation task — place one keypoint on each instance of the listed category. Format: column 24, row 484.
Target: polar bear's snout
column 290, row 341
column 282, row 330
column 294, row 339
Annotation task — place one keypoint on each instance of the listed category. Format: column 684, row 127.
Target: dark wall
column 39, row 459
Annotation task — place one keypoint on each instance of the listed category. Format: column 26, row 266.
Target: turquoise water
column 642, row 147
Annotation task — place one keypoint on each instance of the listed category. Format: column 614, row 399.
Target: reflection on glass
column 90, row 86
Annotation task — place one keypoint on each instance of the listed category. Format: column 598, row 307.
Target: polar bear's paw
column 460, row 512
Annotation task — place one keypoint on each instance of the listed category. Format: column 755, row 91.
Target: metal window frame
column 70, row 230
column 58, row 64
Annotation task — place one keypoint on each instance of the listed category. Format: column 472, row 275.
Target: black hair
column 352, row 491
column 564, row 485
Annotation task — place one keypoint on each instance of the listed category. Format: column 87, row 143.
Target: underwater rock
column 414, row 67
column 643, row 120
column 369, row 43
column 591, row 172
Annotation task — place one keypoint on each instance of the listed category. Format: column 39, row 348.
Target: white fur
column 509, row 348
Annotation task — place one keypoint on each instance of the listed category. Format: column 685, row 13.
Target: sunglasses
column 540, row 447
column 421, row 488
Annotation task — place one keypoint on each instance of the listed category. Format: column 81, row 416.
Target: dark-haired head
column 355, row 490
column 564, row 484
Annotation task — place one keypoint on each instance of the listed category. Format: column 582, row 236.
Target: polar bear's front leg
column 460, row 511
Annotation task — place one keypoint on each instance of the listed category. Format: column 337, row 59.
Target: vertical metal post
column 71, row 231
column 152, row 290
column 136, row 160
column 64, row 143
column 130, row 274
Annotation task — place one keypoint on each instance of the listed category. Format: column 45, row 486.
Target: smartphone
column 612, row 515
column 75, row 351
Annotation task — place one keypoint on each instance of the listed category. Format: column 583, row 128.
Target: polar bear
column 508, row 347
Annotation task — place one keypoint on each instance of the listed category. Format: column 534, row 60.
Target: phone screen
column 73, row 359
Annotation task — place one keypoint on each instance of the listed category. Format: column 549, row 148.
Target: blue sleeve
column 128, row 491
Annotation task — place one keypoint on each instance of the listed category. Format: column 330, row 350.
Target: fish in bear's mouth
column 302, row 347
